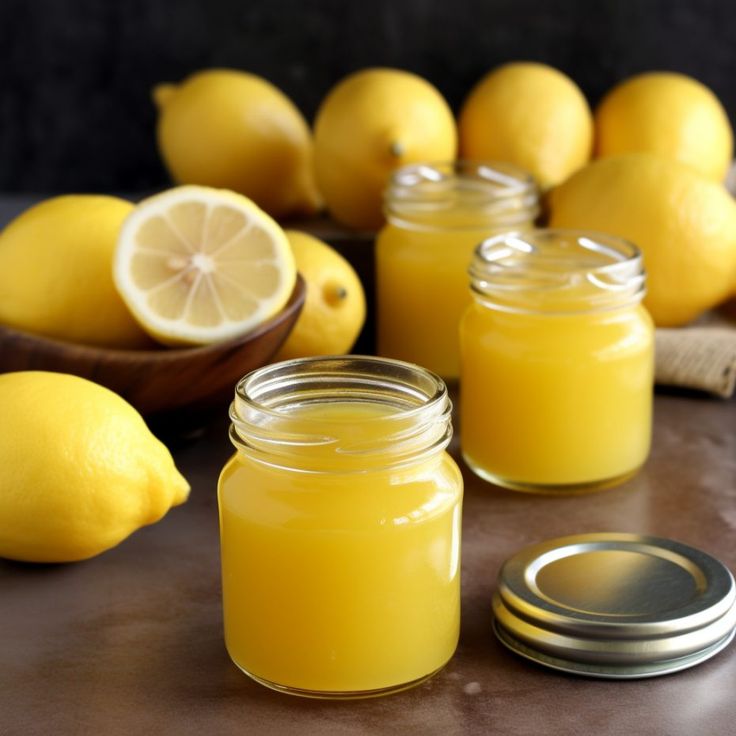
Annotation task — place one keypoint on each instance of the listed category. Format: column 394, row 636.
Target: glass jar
column 436, row 215
column 340, row 527
column 557, row 362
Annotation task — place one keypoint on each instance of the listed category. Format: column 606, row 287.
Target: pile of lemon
column 192, row 265
column 80, row 469
column 660, row 145
column 208, row 260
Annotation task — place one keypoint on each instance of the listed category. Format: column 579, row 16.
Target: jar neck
column 550, row 271
column 341, row 414
column 461, row 195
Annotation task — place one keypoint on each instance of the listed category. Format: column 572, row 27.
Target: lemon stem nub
column 335, row 294
column 162, row 93
column 397, row 149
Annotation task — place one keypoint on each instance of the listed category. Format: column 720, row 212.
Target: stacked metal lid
column 615, row 605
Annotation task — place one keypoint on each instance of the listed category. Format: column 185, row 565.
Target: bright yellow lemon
column 334, row 308
column 669, row 114
column 56, row 272
column 233, row 130
column 531, row 115
column 369, row 124
column 684, row 223
column 80, row 469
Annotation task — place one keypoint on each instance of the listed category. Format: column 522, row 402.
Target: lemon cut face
column 197, row 265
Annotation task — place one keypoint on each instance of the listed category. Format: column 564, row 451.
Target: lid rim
column 611, row 672
column 610, row 649
column 646, row 624
column 650, row 603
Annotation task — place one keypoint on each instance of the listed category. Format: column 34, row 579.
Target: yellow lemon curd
column 437, row 214
column 557, row 363
column 340, row 552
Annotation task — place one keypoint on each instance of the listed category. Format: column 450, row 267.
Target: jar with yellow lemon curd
column 436, row 215
column 340, row 527
column 557, row 362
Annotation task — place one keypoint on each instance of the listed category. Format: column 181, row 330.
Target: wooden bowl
column 157, row 380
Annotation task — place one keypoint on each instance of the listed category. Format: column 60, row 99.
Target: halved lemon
column 197, row 265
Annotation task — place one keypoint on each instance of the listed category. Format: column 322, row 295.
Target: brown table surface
column 131, row 642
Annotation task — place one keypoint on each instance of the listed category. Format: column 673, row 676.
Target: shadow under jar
column 340, row 527
column 436, row 215
column 557, row 362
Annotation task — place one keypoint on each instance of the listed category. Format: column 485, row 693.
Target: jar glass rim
column 612, row 249
column 257, row 383
column 499, row 177
column 557, row 270
column 271, row 422
column 475, row 193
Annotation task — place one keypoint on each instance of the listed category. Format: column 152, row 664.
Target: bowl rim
column 164, row 353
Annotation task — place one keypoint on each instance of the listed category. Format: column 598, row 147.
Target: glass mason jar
column 557, row 362
column 436, row 215
column 340, row 527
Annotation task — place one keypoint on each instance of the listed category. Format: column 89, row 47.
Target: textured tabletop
column 131, row 642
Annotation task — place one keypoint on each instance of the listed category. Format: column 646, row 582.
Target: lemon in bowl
column 334, row 308
column 197, row 265
column 56, row 272
column 226, row 297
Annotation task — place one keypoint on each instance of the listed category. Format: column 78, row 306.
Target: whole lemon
column 531, row 115
column 684, row 223
column 669, row 114
column 369, row 124
column 334, row 307
column 56, row 272
column 80, row 470
column 233, row 130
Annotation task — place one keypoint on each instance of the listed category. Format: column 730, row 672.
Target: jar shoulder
column 339, row 500
column 486, row 320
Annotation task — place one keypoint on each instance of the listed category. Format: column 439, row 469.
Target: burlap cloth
column 700, row 356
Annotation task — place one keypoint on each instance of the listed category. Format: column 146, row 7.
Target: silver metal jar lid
column 615, row 605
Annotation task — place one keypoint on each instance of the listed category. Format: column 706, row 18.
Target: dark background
column 75, row 75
